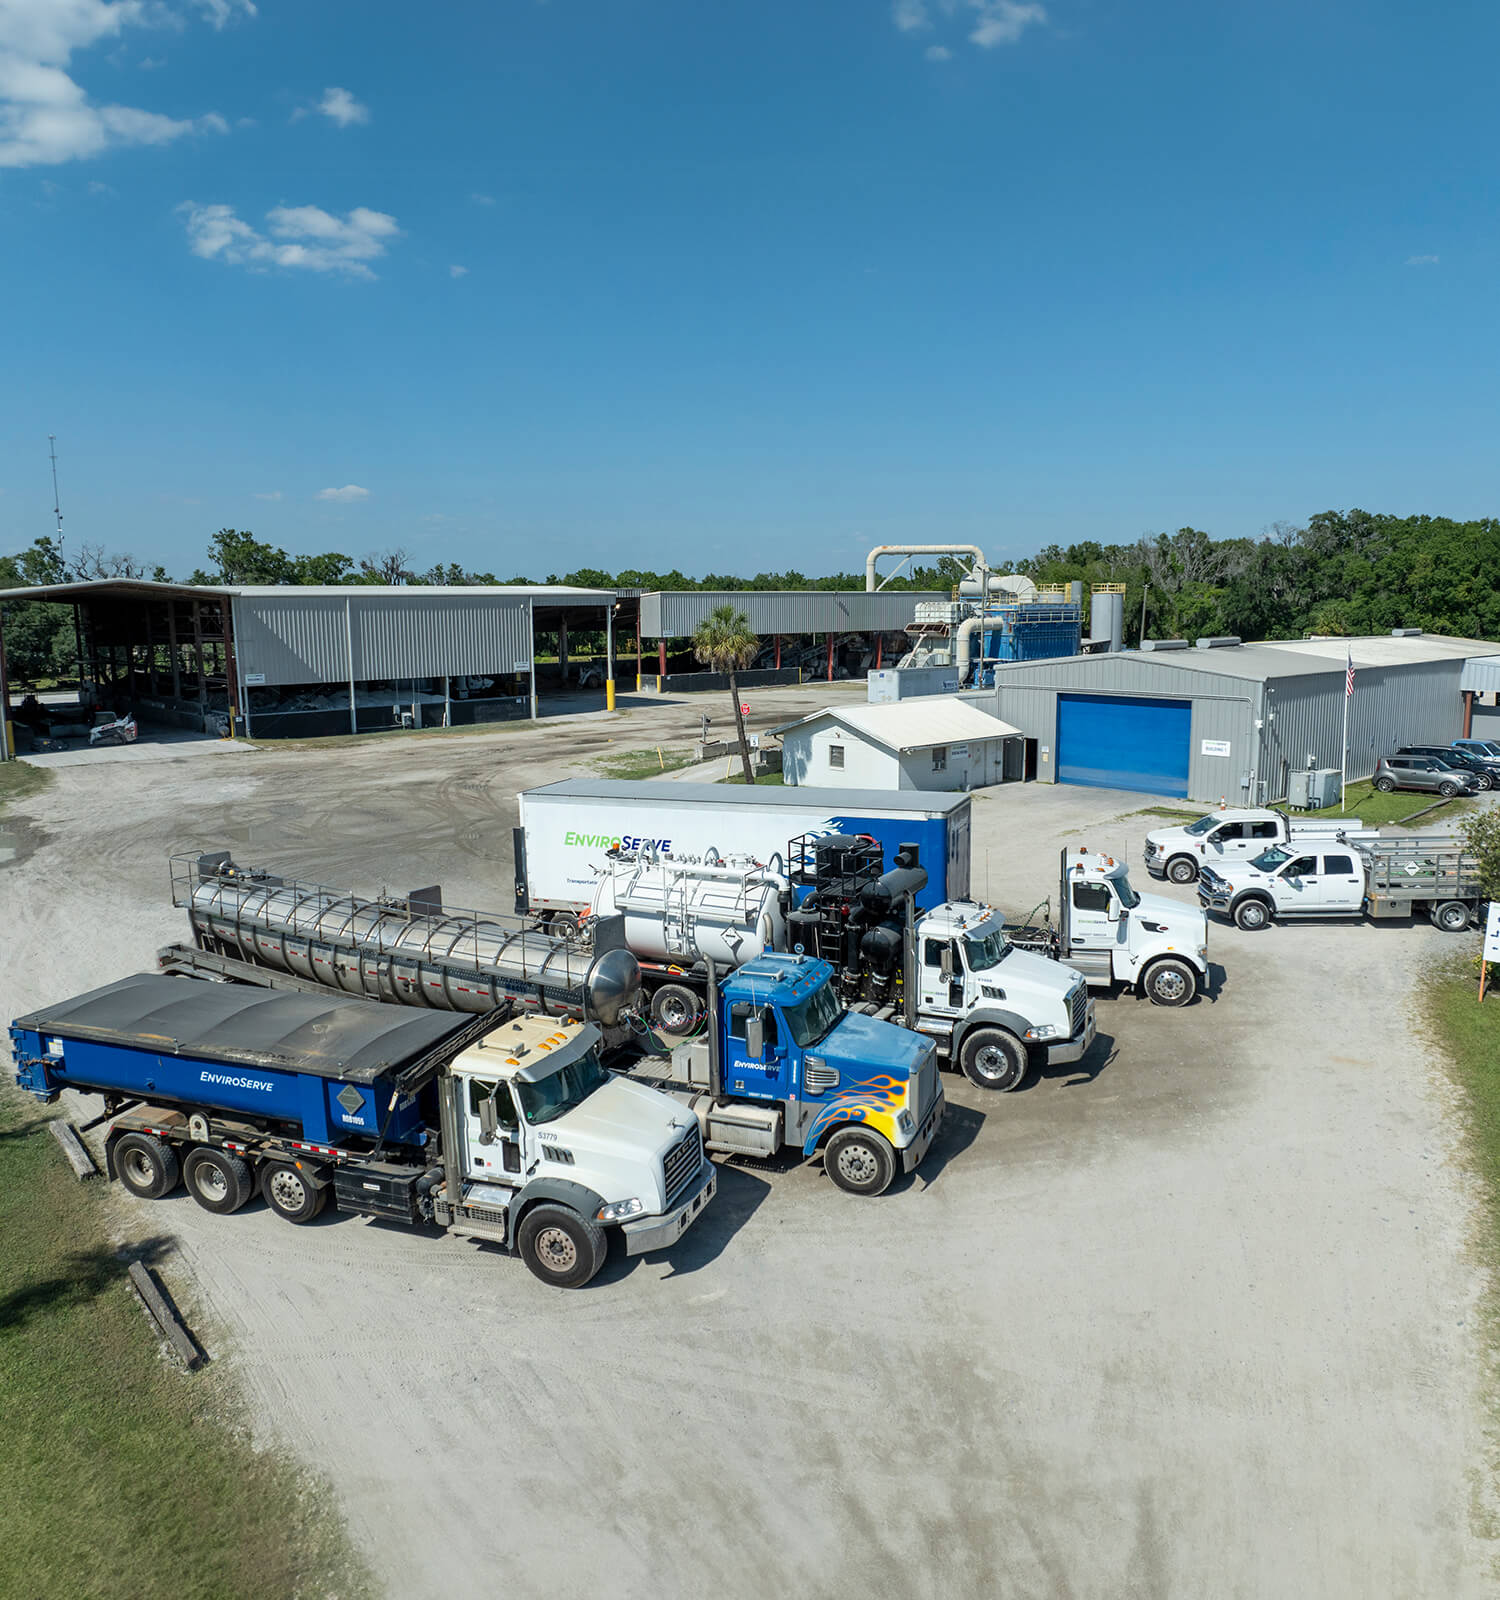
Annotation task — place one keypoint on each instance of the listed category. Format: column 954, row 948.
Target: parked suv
column 1488, row 751
column 1484, row 773
column 1422, row 772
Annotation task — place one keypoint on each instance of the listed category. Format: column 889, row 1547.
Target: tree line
column 1343, row 572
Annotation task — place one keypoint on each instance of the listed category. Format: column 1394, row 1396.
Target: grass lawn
column 119, row 1473
column 764, row 777
column 1378, row 810
column 1470, row 1034
column 18, row 779
column 641, row 763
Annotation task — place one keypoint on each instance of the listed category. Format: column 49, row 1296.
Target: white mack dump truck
column 1230, row 835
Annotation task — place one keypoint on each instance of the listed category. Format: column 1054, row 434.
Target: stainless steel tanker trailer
column 252, row 925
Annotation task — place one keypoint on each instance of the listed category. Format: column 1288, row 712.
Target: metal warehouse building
column 290, row 661
column 1225, row 720
column 850, row 626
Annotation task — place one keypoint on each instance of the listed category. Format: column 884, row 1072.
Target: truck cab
column 990, row 1006
column 1307, row 878
column 1112, row 933
column 545, row 1148
column 794, row 1068
column 1230, row 835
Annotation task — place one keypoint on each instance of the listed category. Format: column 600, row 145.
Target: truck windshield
column 1202, row 825
column 811, row 1018
column 559, row 1092
column 1269, row 860
column 982, row 954
column 1128, row 896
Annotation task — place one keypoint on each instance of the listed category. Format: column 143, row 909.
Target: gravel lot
column 1193, row 1318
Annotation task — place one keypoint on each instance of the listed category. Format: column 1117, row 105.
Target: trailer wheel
column 1252, row 915
column 1170, row 982
column 860, row 1161
column 290, row 1193
column 1452, row 916
column 1182, row 869
column 217, row 1179
column 561, row 1247
column 992, row 1058
column 146, row 1166
column 675, row 1010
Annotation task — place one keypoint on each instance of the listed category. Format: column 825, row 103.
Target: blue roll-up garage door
column 1119, row 742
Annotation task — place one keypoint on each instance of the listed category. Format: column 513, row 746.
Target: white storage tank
column 727, row 913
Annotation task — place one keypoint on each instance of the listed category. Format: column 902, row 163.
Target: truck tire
column 676, row 1010
column 1447, row 790
column 218, row 1180
column 1252, row 915
column 860, row 1160
column 1182, row 869
column 1385, row 785
column 1169, row 982
column 147, row 1166
column 561, row 1247
column 1452, row 916
column 291, row 1194
column 993, row 1058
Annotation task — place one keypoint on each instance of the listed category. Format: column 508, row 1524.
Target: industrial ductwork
column 880, row 550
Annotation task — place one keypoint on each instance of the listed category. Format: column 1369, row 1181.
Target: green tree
column 1480, row 832
column 724, row 643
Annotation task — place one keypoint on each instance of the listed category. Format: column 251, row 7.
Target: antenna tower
column 56, row 497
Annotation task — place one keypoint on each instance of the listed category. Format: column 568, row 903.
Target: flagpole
column 1344, row 752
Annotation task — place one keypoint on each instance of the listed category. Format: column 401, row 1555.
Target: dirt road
column 1193, row 1318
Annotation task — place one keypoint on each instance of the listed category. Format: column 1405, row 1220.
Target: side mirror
column 489, row 1121
column 755, row 1037
column 945, row 961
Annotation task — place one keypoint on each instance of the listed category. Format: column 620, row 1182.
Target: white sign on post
column 1215, row 747
column 254, row 679
column 1492, row 933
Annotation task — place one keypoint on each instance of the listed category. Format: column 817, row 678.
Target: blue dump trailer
column 417, row 1117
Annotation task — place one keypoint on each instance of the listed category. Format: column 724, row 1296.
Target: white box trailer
column 568, row 829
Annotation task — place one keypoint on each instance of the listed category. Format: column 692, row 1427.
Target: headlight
column 619, row 1210
column 905, row 1123
column 1046, row 1031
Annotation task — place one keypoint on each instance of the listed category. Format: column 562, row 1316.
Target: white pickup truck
column 1349, row 877
column 1181, row 853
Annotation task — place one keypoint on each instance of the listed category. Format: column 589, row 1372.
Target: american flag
column 1349, row 676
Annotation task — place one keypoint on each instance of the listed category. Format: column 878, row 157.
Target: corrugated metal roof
column 148, row 590
column 1389, row 650
column 912, row 724
column 1481, row 675
column 675, row 613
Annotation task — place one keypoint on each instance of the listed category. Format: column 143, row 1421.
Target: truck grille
column 682, row 1162
column 1078, row 1007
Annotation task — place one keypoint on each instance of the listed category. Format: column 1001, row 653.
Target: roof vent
column 1164, row 644
column 1406, row 633
column 1220, row 641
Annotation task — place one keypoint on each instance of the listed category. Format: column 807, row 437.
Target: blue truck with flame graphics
column 781, row 1064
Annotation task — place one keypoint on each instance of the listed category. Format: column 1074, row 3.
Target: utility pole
column 1145, row 590
column 56, row 497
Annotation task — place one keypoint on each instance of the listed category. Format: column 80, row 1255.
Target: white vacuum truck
column 950, row 972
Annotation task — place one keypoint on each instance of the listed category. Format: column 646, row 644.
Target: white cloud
column 270, row 494
column 339, row 106
column 222, row 12
column 458, row 272
column 297, row 236
column 350, row 492
column 96, row 187
column 482, row 199
column 1421, row 261
column 45, row 116
column 1004, row 21
column 990, row 22
column 151, row 63
column 212, row 122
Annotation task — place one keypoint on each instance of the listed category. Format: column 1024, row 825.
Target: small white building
column 933, row 743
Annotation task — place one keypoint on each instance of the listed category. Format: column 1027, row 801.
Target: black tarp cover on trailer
column 333, row 1036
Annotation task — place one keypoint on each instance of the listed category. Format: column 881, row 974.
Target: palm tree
column 723, row 642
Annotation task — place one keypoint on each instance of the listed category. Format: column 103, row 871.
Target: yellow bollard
column 609, row 695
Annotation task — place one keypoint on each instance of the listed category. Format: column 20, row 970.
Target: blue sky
column 740, row 286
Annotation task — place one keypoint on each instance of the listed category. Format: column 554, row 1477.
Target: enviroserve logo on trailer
column 227, row 1081
column 615, row 841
